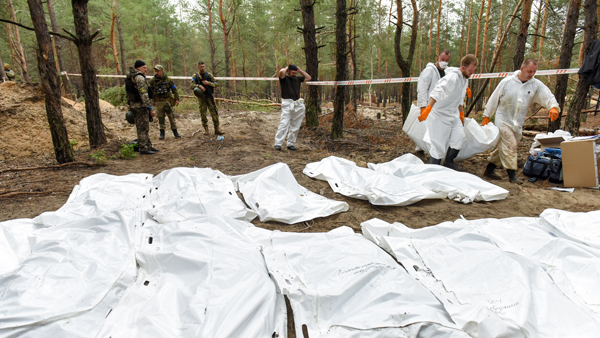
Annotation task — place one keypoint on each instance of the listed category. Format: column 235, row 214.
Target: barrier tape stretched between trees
column 363, row 82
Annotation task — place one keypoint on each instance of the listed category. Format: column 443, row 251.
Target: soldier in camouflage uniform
column 163, row 87
column 207, row 83
column 10, row 74
column 136, row 87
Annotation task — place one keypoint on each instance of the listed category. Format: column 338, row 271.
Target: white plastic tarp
column 181, row 193
column 478, row 139
column 495, row 283
column 275, row 195
column 97, row 271
column 457, row 186
column 341, row 285
column 348, row 179
column 198, row 278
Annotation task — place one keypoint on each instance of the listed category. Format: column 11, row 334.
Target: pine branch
column 31, row 29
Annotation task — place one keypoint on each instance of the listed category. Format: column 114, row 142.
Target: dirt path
column 248, row 146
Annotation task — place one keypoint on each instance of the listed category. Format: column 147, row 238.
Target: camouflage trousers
column 142, row 125
column 205, row 104
column 160, row 113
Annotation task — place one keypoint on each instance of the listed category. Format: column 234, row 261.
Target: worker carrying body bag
column 478, row 138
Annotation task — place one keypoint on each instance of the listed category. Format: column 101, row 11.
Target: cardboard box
column 551, row 142
column 580, row 163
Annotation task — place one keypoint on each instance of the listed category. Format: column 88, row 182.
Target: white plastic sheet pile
column 502, row 278
column 275, row 195
column 348, row 179
column 457, row 186
column 198, row 278
column 181, row 193
column 341, row 285
column 478, row 139
column 97, row 271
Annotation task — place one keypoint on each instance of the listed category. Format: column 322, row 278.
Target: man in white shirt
column 445, row 125
column 510, row 101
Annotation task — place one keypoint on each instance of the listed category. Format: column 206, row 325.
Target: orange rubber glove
column 424, row 113
column 553, row 114
column 469, row 94
column 462, row 117
column 485, row 121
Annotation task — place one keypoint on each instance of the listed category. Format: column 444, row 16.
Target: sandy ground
column 248, row 146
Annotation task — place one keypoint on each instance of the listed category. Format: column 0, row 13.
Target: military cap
column 159, row 67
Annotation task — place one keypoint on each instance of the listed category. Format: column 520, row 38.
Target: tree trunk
column 437, row 40
column 573, row 119
column 522, row 36
column 469, row 28
column 59, row 54
column 17, row 46
column 50, row 83
column 494, row 58
column 121, row 45
column 88, row 73
column 478, row 33
column 2, row 72
column 226, row 29
column 543, row 32
column 113, row 40
column 485, row 32
column 311, row 52
column 537, row 27
column 566, row 52
column 406, row 64
column 430, row 30
column 211, row 42
column 341, row 67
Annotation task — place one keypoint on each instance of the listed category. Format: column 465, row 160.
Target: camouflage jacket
column 197, row 80
column 141, row 85
column 163, row 87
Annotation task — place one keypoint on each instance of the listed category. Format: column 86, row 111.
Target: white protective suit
column 428, row 79
column 292, row 113
column 511, row 101
column 444, row 127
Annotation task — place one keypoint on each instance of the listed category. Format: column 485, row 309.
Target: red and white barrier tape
column 365, row 82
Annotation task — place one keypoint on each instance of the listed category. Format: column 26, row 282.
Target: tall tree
column 227, row 22
column 406, row 64
column 311, row 52
column 478, row 33
column 566, row 52
column 121, row 44
column 494, row 58
column 341, row 68
column 88, row 73
column 211, row 42
column 522, row 36
column 538, row 18
column 182, row 39
column 543, row 32
column 437, row 40
column 485, row 32
column 430, row 29
column 58, row 45
column 16, row 44
column 573, row 119
column 113, row 39
column 2, row 73
column 50, row 84
column 469, row 27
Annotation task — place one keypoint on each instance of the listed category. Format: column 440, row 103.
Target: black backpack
column 544, row 165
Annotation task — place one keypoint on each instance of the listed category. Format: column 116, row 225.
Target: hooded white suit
column 443, row 123
column 510, row 101
column 428, row 79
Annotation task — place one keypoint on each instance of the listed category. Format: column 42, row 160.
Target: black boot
column 162, row 134
column 176, row 134
column 434, row 160
column 512, row 176
column 450, row 156
column 489, row 172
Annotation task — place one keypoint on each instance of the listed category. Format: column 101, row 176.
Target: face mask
column 443, row 64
